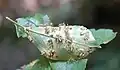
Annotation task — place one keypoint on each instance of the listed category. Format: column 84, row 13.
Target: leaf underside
column 44, row 64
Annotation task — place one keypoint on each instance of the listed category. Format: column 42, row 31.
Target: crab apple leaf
column 42, row 64
column 103, row 36
column 39, row 17
column 39, row 64
column 45, row 64
column 75, row 65
column 20, row 32
column 46, row 19
column 38, row 41
column 36, row 20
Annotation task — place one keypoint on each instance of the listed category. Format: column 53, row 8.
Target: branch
column 28, row 29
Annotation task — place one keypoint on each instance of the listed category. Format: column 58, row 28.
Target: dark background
column 97, row 14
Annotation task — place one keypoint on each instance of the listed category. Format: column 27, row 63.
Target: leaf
column 45, row 64
column 28, row 21
column 38, row 41
column 22, row 21
column 20, row 32
column 28, row 66
column 42, row 64
column 75, row 65
column 33, row 21
column 39, row 64
column 41, row 42
column 46, row 19
column 39, row 17
column 103, row 36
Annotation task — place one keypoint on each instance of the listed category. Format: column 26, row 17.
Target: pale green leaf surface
column 44, row 64
column 76, row 65
column 38, row 41
column 39, row 64
column 20, row 32
column 103, row 36
column 28, row 21
column 22, row 21
column 33, row 21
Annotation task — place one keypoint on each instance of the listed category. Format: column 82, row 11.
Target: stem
column 28, row 29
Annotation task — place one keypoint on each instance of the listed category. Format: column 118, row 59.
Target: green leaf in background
column 39, row 17
column 75, row 65
column 45, row 64
column 39, row 64
column 103, row 36
column 42, row 64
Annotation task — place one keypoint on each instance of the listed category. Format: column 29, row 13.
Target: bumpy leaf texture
column 101, row 36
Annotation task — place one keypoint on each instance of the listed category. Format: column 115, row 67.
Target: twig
column 28, row 28
column 38, row 32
